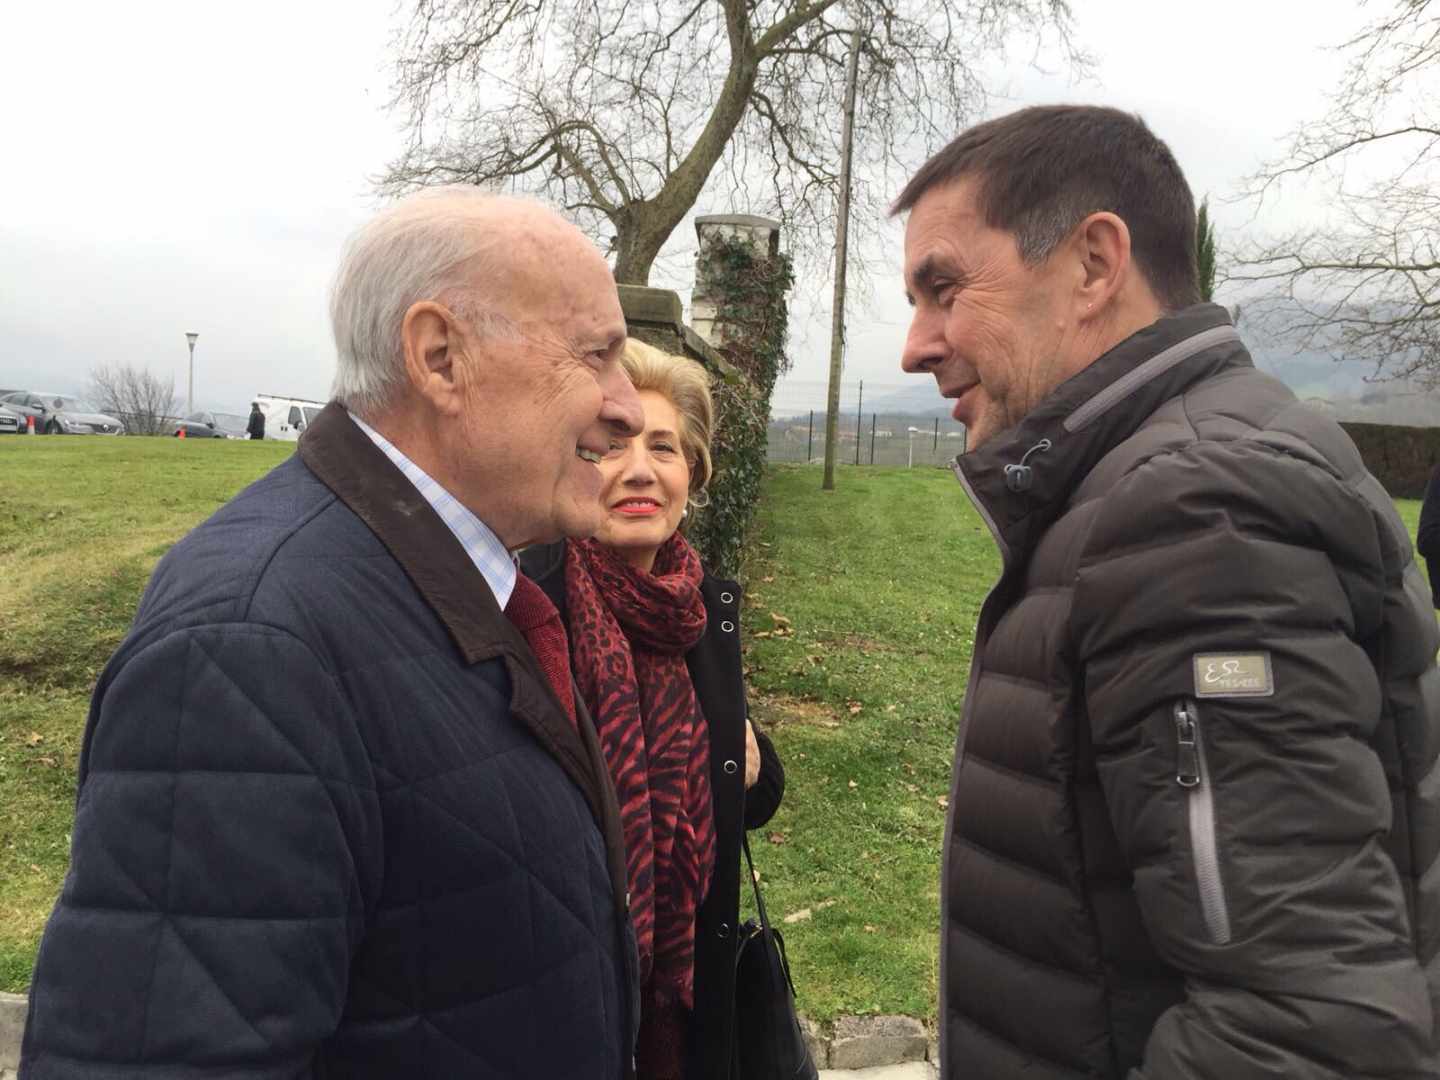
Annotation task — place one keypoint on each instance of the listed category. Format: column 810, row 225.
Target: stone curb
column 868, row 1042
column 855, row 1042
column 13, row 1008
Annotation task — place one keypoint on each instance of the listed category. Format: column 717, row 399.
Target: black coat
column 1427, row 537
column 1195, row 823
column 715, row 671
column 256, row 428
column 331, row 819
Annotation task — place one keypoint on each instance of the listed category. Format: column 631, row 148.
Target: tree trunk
column 639, row 235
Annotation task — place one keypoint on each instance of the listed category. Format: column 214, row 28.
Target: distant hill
column 1340, row 388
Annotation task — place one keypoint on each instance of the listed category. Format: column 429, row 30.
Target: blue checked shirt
column 495, row 564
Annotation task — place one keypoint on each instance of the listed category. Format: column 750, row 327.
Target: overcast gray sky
column 186, row 166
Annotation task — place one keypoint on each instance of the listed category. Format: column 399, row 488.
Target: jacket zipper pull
column 1020, row 477
column 1187, row 765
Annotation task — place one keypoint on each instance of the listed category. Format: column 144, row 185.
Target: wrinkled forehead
column 944, row 213
column 560, row 279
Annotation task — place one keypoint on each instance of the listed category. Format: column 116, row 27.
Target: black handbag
column 769, row 1044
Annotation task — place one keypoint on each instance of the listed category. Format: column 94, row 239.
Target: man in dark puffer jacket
column 333, row 820
column 1196, row 808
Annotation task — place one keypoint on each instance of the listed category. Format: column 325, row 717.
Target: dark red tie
column 535, row 616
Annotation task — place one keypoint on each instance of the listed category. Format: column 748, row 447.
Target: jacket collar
column 366, row 481
column 1022, row 480
column 345, row 459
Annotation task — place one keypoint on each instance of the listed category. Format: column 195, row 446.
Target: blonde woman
column 655, row 649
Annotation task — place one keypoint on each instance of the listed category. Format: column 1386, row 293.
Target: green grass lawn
column 858, row 624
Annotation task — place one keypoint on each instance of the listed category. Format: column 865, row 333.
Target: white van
column 286, row 418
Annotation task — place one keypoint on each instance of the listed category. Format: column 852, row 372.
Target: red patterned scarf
column 629, row 632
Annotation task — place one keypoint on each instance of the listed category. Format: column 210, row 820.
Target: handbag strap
column 754, row 884
column 770, row 935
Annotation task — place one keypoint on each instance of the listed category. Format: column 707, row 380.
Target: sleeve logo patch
column 1233, row 675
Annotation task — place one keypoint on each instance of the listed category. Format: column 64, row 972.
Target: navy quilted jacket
column 331, row 819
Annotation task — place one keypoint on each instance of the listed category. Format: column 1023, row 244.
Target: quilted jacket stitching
column 277, row 546
column 585, row 923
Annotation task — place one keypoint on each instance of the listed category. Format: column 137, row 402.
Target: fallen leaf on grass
column 870, row 929
column 889, row 708
column 777, row 838
column 911, row 788
column 853, row 785
column 49, row 761
column 34, row 739
column 805, row 913
column 768, row 578
column 943, row 802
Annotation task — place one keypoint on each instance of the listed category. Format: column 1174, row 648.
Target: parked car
column 212, row 425
column 286, row 418
column 11, row 422
column 61, row 414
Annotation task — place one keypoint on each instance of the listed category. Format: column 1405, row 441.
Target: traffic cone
column 180, row 434
column 29, row 425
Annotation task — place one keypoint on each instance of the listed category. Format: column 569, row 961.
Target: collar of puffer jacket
column 1021, row 480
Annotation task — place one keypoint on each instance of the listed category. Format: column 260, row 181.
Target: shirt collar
column 495, row 563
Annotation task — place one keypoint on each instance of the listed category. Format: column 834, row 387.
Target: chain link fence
column 869, row 439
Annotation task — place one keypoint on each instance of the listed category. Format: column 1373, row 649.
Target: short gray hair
column 431, row 245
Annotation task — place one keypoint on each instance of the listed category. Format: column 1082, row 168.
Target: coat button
column 727, row 626
column 727, row 598
column 724, row 930
column 730, row 766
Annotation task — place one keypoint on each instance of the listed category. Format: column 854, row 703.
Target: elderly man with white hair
column 337, row 813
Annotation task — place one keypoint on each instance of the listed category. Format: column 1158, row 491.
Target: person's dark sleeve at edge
column 1427, row 538
column 762, row 800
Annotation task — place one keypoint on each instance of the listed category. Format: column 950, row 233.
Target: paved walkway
column 913, row 1070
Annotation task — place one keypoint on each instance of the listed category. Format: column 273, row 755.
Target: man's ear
column 431, row 341
column 1102, row 243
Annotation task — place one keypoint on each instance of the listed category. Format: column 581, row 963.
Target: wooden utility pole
column 859, row 417
column 842, row 234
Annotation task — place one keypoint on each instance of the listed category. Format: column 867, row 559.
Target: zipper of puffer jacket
column 1192, row 774
column 982, row 631
column 982, row 628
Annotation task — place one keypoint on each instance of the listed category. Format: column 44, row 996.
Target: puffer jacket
column 332, row 821
column 1196, row 805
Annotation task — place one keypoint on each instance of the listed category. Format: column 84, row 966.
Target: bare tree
column 625, row 110
column 1365, row 285
column 145, row 402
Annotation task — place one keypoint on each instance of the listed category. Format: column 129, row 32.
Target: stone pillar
column 761, row 233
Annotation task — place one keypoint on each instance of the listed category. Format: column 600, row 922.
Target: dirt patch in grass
column 867, row 646
column 778, row 710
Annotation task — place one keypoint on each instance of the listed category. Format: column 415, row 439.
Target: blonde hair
column 686, row 385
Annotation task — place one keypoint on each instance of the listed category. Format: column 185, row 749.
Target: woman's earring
column 684, row 513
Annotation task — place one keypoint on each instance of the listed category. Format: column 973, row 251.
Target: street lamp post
column 190, row 394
